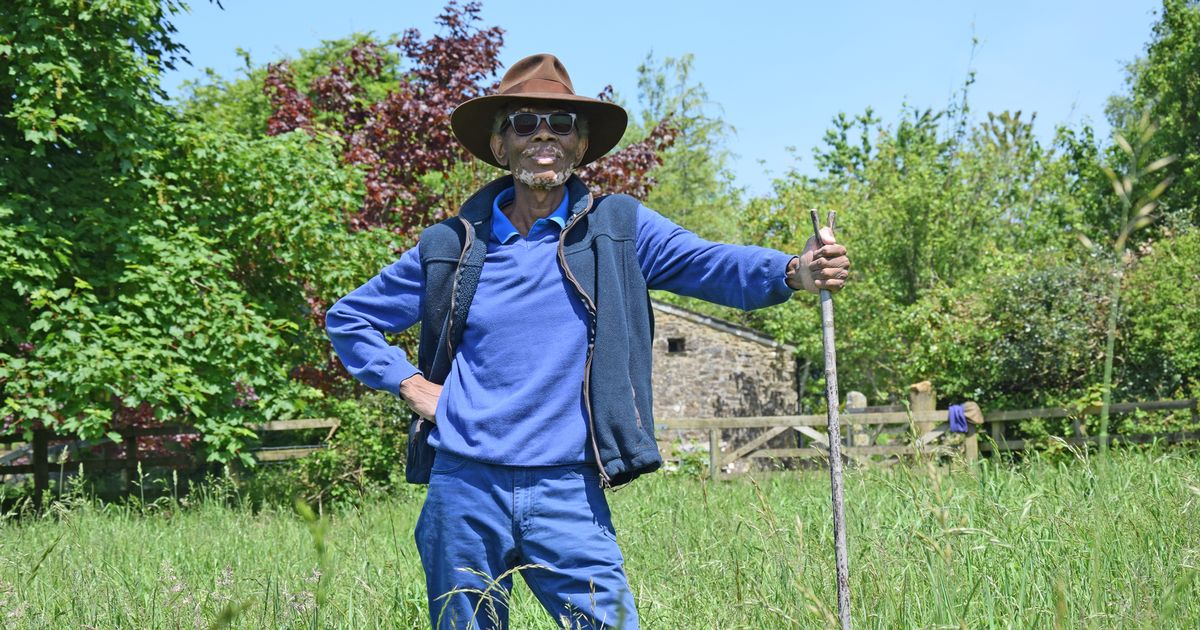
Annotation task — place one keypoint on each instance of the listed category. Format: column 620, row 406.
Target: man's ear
column 580, row 150
column 498, row 152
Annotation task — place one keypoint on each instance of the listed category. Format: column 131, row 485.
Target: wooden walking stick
column 835, row 439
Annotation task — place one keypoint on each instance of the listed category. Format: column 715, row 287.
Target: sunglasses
column 525, row 123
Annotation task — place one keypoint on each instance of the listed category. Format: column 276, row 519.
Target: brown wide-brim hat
column 537, row 78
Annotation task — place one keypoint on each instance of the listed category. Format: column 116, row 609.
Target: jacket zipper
column 605, row 481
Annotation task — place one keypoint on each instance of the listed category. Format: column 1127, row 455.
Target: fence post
column 41, row 468
column 856, row 402
column 714, row 453
column 922, row 397
column 131, row 460
column 975, row 419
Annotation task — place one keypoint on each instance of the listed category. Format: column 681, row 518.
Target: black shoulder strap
column 464, row 292
column 445, row 248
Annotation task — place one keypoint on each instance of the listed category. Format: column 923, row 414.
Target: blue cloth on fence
column 958, row 419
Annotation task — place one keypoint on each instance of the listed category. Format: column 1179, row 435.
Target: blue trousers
column 483, row 522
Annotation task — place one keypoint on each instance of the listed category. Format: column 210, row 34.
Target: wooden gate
column 893, row 436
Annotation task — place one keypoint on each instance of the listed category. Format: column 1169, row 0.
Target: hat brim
column 472, row 121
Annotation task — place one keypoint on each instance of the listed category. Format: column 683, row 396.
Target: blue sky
column 779, row 71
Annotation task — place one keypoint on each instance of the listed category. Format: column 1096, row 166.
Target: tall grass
column 1071, row 544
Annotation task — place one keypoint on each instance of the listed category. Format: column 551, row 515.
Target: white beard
column 543, row 180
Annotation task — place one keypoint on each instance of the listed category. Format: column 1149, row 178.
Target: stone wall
column 706, row 367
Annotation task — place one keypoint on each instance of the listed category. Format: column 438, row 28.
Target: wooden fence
column 40, row 465
column 898, row 430
column 906, row 433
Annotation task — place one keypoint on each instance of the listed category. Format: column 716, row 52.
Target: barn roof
column 719, row 324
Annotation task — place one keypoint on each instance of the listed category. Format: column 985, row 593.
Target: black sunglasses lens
column 561, row 123
column 524, row 124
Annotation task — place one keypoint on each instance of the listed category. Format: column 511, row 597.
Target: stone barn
column 707, row 367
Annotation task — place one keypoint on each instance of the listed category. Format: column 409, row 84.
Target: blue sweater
column 501, row 404
column 513, row 394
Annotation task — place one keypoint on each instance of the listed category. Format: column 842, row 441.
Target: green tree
column 1166, row 83
column 1161, row 336
column 694, row 184
column 150, row 270
column 239, row 104
column 81, row 129
column 941, row 215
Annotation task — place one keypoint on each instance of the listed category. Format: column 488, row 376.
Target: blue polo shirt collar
column 503, row 230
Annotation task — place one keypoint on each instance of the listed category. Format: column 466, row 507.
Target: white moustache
column 537, row 150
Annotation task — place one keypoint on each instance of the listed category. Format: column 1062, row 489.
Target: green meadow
column 1075, row 543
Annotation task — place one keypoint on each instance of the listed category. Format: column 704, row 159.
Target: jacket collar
column 578, row 195
column 478, row 209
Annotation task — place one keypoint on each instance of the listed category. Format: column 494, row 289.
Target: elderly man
column 528, row 408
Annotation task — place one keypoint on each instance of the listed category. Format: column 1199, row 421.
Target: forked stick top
column 831, row 219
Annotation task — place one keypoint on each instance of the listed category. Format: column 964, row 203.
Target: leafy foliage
column 404, row 137
column 629, row 169
column 83, row 78
column 173, row 263
column 1023, row 335
column 1162, row 332
column 153, row 271
column 81, row 137
column 362, row 454
column 694, row 183
column 942, row 217
column 1166, row 84
column 1138, row 200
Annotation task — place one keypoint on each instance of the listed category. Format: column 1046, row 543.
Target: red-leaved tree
column 629, row 170
column 405, row 136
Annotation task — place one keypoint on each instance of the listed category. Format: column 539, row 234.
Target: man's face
column 543, row 159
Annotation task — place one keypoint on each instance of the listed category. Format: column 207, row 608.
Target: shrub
column 366, row 455
column 1162, row 335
